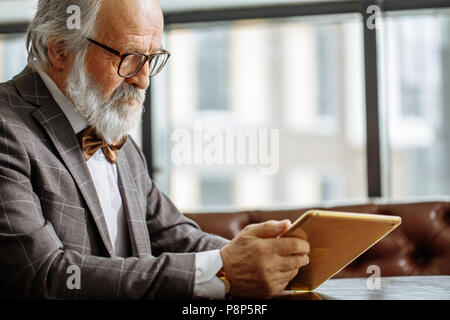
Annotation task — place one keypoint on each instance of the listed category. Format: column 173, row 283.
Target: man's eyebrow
column 132, row 48
column 129, row 47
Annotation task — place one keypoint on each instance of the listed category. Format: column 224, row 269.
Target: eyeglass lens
column 133, row 63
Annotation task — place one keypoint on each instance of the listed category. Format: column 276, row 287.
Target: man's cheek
column 109, row 90
column 108, row 82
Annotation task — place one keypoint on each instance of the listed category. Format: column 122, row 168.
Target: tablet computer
column 336, row 239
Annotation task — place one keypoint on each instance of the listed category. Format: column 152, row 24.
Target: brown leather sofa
column 419, row 246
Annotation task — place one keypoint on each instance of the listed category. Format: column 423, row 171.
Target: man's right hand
column 258, row 265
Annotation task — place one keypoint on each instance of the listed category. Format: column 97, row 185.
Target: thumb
column 269, row 229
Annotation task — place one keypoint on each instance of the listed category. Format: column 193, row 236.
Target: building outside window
column 416, row 69
column 303, row 77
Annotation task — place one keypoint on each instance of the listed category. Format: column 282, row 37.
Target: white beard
column 113, row 119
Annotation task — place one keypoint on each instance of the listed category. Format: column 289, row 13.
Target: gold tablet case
column 336, row 239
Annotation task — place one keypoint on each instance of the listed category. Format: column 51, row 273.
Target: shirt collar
column 68, row 108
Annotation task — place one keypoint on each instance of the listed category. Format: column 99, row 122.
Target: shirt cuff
column 207, row 285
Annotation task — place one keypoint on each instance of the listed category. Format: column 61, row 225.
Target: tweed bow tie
column 91, row 142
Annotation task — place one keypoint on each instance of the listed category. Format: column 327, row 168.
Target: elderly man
column 76, row 199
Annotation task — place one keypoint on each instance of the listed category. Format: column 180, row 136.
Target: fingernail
column 307, row 260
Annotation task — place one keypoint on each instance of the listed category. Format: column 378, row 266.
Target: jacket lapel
column 140, row 241
column 58, row 128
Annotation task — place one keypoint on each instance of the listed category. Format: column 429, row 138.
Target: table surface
column 391, row 288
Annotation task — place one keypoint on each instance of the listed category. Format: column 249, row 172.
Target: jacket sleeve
column 35, row 265
column 169, row 229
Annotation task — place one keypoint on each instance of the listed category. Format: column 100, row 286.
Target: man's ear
column 57, row 54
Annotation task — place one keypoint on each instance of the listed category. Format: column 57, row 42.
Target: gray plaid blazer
column 51, row 217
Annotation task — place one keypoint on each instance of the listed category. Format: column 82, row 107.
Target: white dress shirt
column 104, row 175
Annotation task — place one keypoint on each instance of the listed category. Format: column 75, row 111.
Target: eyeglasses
column 132, row 63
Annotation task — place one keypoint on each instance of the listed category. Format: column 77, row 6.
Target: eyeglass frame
column 123, row 55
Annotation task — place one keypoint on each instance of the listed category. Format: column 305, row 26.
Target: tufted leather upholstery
column 419, row 246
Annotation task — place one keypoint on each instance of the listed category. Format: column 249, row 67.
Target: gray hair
column 51, row 23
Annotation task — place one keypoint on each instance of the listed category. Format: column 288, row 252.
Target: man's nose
column 142, row 78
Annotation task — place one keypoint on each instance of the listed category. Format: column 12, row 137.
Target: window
column 327, row 69
column 216, row 191
column 417, row 104
column 212, row 62
column 302, row 77
column 13, row 55
column 294, row 74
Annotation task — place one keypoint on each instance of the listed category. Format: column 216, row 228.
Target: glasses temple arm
column 117, row 53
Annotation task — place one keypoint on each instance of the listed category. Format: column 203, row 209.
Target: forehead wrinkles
column 140, row 17
column 144, row 30
column 131, row 25
column 139, row 41
column 144, row 48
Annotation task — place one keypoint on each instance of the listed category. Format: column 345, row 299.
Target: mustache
column 126, row 92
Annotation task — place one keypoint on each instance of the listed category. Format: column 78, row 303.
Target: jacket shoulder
column 11, row 102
